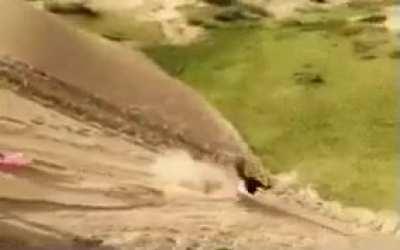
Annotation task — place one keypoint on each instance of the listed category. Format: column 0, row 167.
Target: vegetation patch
column 304, row 99
column 395, row 54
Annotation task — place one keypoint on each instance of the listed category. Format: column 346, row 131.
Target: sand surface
column 92, row 187
column 84, row 182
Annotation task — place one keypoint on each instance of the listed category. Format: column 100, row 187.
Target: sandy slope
column 85, row 182
column 88, row 181
column 124, row 78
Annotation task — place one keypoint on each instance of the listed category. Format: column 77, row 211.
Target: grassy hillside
column 316, row 96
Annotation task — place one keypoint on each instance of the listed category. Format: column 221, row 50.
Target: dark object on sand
column 368, row 57
column 319, row 1
column 70, row 8
column 252, row 184
column 377, row 18
column 230, row 15
column 309, row 78
column 395, row 54
column 87, row 242
column 221, row 2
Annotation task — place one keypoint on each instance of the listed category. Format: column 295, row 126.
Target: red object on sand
column 12, row 161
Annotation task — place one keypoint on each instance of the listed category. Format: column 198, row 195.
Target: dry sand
column 125, row 79
column 97, row 184
column 85, row 182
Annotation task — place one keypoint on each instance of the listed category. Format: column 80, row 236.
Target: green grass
column 305, row 100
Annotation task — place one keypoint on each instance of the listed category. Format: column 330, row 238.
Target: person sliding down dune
column 247, row 185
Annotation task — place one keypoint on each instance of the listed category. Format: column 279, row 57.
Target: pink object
column 12, row 161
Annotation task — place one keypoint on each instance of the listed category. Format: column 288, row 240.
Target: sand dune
column 91, row 184
column 87, row 183
column 125, row 79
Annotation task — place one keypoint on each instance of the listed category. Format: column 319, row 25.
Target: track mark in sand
column 40, row 205
column 53, row 126
column 253, row 205
column 43, row 237
column 76, row 144
column 11, row 125
column 81, row 131
column 34, row 226
column 84, row 132
column 12, row 120
column 49, row 164
column 130, row 196
column 145, row 190
column 38, row 121
column 44, row 178
column 202, row 221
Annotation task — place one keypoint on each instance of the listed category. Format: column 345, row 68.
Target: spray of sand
column 178, row 173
